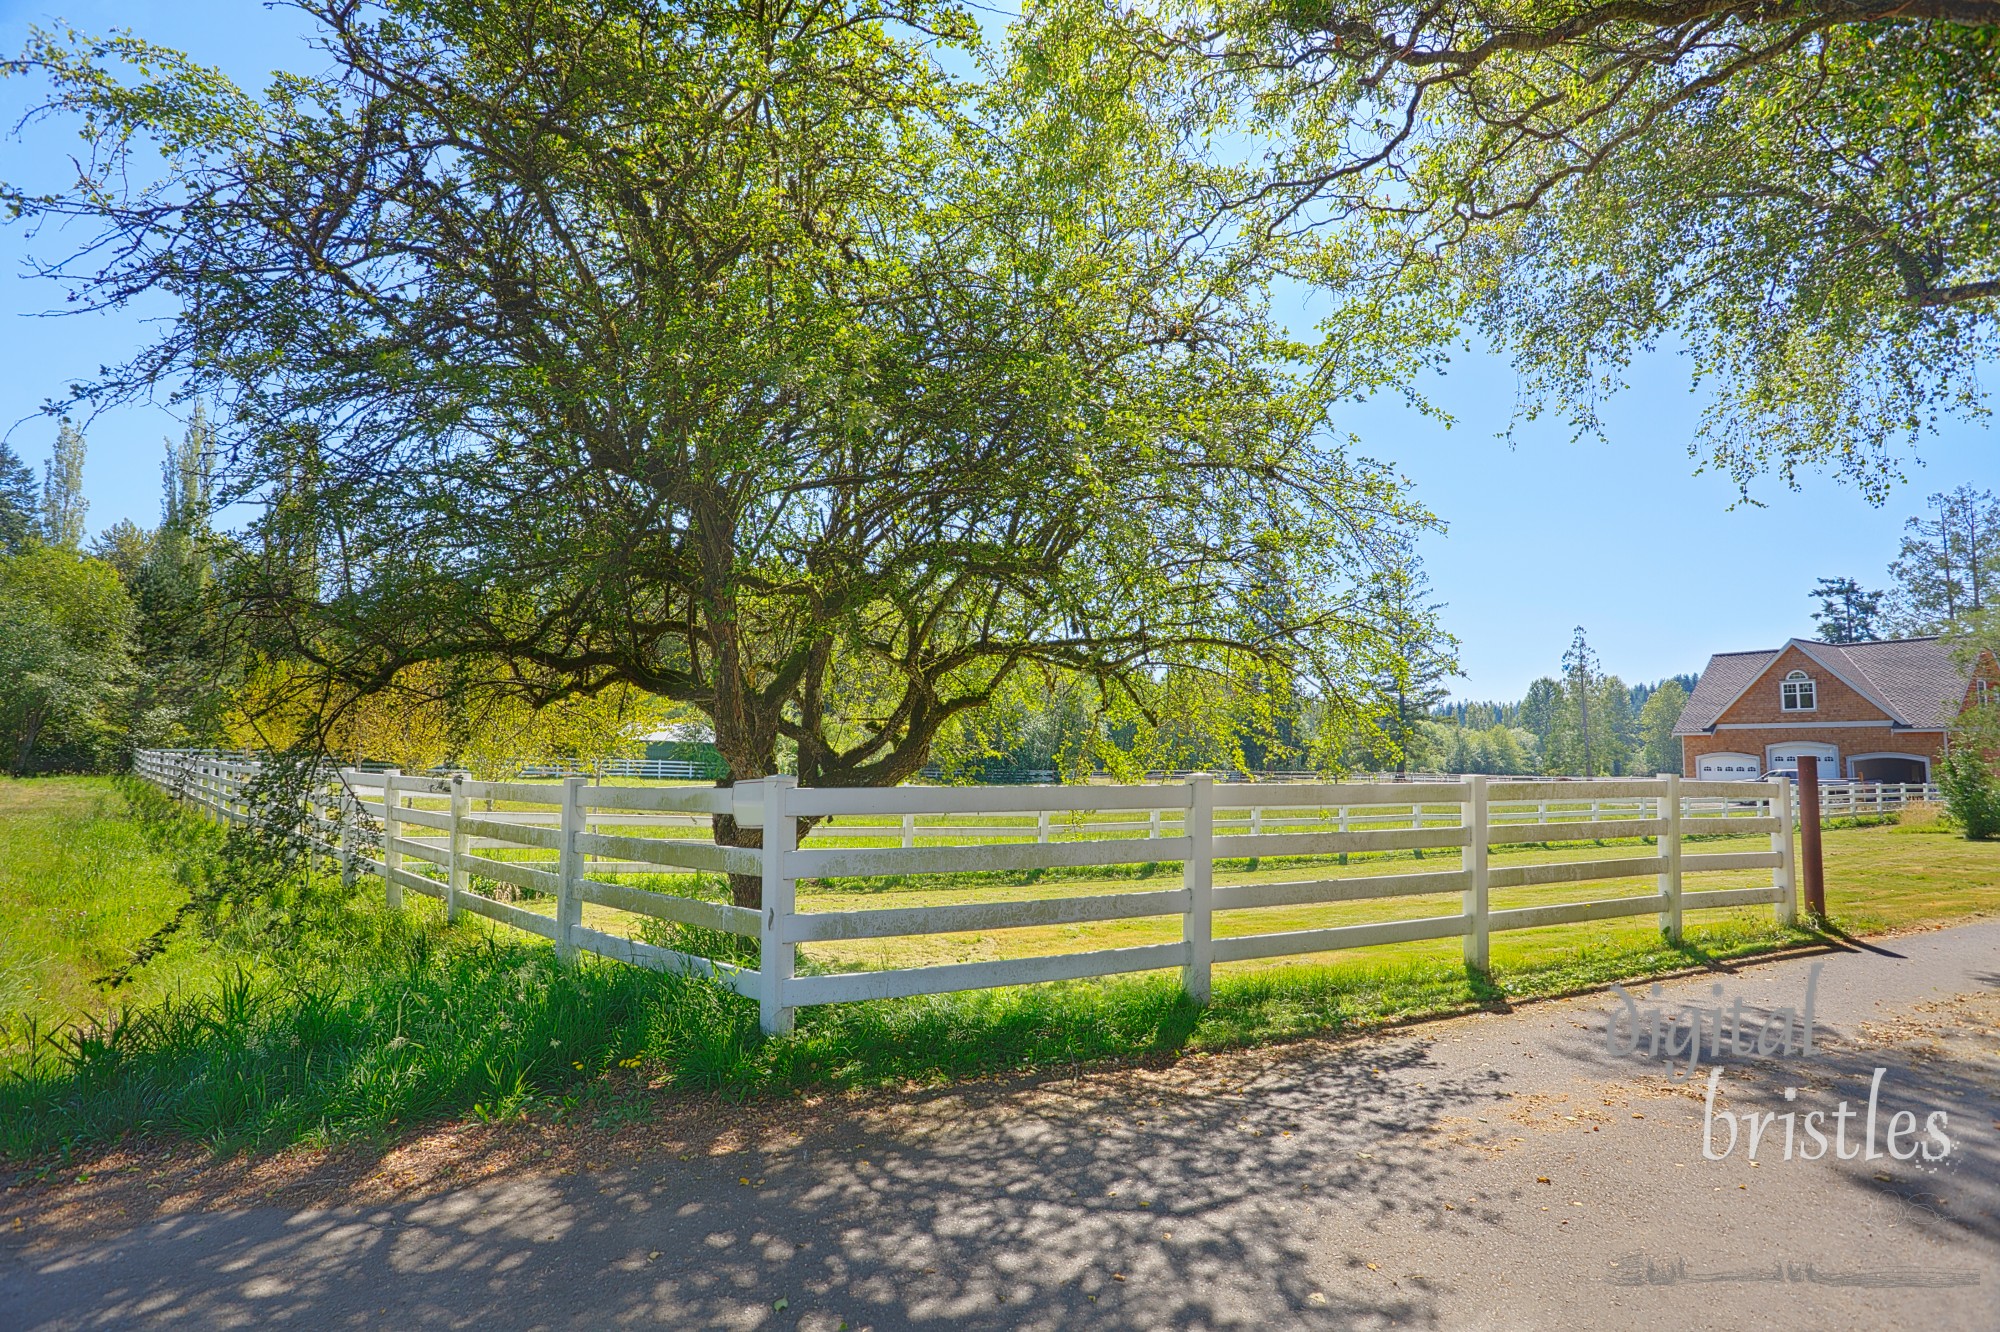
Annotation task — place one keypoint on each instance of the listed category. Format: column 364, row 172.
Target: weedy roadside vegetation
column 243, row 999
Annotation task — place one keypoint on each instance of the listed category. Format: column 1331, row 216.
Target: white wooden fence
column 1837, row 799
column 386, row 824
column 678, row 770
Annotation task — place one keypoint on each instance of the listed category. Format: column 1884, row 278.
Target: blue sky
column 1619, row 536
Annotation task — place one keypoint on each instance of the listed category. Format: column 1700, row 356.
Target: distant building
column 1872, row 712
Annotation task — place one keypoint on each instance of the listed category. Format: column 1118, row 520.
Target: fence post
column 1670, row 852
column 1042, row 826
column 343, row 809
column 909, row 830
column 774, row 956
column 455, row 877
column 569, row 868
column 1473, row 860
column 392, row 859
column 1784, row 876
column 1812, row 873
column 1198, row 875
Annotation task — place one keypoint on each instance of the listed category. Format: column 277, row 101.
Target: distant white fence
column 677, row 770
column 1842, row 799
column 384, row 823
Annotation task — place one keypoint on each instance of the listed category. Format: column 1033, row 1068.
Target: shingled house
column 1873, row 712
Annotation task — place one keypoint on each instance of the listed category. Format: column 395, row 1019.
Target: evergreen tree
column 1949, row 565
column 1419, row 656
column 18, row 501
column 63, row 504
column 1846, row 612
column 1580, row 671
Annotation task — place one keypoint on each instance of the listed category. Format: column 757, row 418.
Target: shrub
column 1971, row 792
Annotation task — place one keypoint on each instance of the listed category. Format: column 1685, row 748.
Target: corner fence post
column 1473, row 859
column 1670, row 855
column 455, row 878
column 392, row 859
column 1784, row 876
column 1198, row 876
column 775, row 957
column 569, row 868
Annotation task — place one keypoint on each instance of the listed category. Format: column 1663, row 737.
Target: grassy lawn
column 81, row 886
column 368, row 1021
column 1878, row 878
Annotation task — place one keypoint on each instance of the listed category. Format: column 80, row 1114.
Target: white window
column 1796, row 693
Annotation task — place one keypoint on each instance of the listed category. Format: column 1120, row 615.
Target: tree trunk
column 750, row 759
column 31, row 731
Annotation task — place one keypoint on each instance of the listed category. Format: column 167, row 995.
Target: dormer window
column 1796, row 693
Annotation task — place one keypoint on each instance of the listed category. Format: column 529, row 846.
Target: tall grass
column 395, row 1018
column 410, row 1022
column 83, row 884
column 354, row 1022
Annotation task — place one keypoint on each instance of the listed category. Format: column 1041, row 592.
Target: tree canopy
column 1947, row 566
column 65, row 657
column 1799, row 197
column 63, row 506
column 17, row 501
column 1847, row 611
column 745, row 356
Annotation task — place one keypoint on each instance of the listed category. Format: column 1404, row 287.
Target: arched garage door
column 1787, row 756
column 1890, row 768
column 1727, row 768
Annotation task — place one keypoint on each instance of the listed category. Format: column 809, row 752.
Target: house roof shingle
column 1915, row 676
column 1913, row 679
column 1722, row 681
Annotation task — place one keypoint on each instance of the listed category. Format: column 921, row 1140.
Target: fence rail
column 432, row 834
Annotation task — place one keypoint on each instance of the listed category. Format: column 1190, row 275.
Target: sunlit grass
column 80, row 888
column 375, row 1021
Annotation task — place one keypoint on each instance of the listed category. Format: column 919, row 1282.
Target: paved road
column 1498, row 1171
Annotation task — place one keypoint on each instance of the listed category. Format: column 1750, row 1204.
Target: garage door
column 1788, row 755
column 1727, row 768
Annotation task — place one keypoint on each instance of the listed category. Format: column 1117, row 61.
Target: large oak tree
column 738, row 350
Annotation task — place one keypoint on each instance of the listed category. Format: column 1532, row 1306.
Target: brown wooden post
column 1811, row 870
